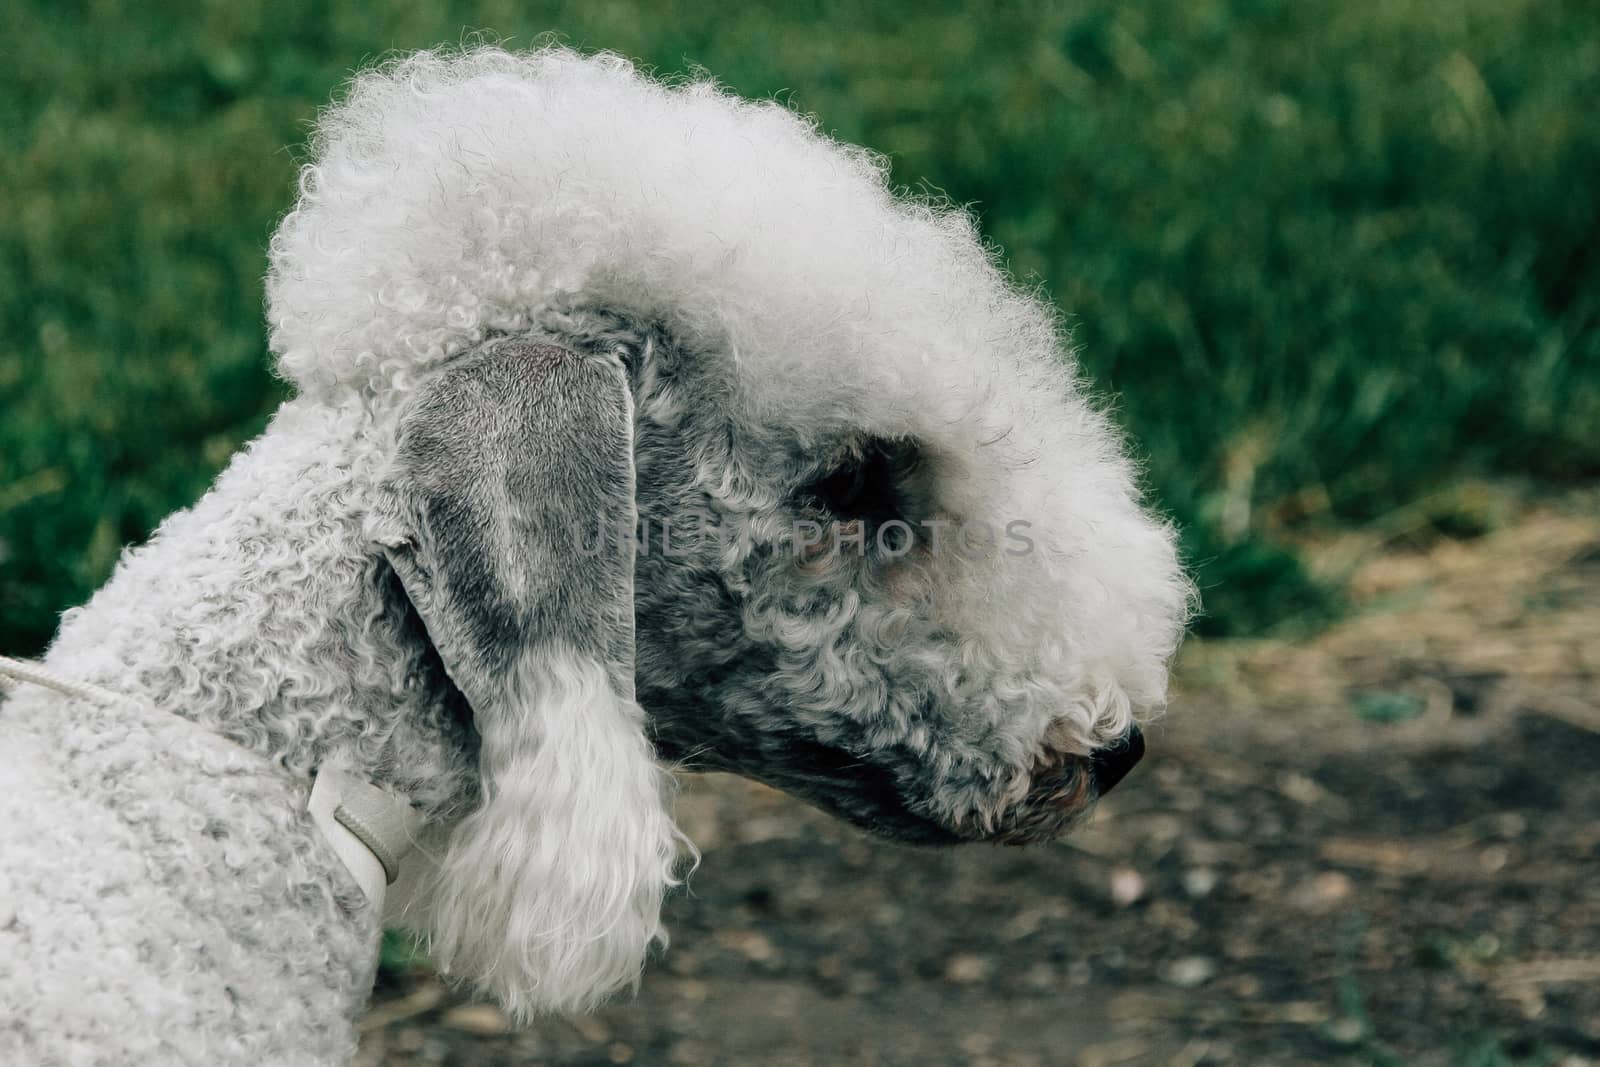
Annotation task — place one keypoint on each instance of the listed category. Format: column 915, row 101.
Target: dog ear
column 509, row 516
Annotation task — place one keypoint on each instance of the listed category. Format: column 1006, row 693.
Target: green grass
column 1328, row 256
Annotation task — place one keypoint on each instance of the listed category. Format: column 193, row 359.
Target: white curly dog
column 632, row 421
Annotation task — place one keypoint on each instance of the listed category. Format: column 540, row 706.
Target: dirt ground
column 1381, row 845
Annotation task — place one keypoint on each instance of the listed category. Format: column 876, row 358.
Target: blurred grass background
column 1331, row 257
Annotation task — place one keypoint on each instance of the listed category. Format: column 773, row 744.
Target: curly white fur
column 549, row 894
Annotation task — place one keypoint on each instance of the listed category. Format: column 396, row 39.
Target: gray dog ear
column 548, row 894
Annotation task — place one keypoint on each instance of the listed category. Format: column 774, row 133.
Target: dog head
column 690, row 412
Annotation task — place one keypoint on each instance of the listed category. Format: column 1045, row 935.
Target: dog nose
column 1112, row 764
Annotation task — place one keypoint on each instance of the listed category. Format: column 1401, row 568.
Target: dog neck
column 264, row 614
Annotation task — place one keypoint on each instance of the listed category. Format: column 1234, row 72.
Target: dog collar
column 370, row 828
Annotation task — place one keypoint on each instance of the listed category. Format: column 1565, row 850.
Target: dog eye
column 871, row 483
column 840, row 492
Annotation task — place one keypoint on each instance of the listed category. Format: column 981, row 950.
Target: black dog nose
column 1112, row 764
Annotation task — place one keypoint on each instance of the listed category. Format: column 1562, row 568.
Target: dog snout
column 1112, row 763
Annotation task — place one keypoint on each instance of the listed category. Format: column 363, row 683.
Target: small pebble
column 752, row 946
column 1346, row 1030
column 1227, row 822
column 966, row 969
column 1191, row 971
column 1198, row 882
column 593, row 1030
column 483, row 1019
column 1040, row 978
column 1323, row 892
column 1127, row 886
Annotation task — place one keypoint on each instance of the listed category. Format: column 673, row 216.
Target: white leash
column 369, row 828
column 15, row 671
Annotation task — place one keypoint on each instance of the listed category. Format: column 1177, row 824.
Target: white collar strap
column 370, row 828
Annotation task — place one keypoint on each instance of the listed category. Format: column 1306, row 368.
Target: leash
column 14, row 672
column 368, row 827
